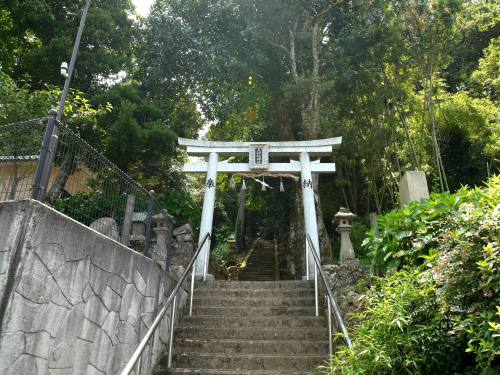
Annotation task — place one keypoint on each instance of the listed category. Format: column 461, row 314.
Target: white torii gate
column 258, row 154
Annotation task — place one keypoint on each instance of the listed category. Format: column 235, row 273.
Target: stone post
column 373, row 222
column 161, row 230
column 343, row 220
column 127, row 219
column 413, row 187
column 160, row 250
column 184, row 245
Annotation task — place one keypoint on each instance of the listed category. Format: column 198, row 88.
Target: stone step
column 259, row 268
column 254, row 301
column 198, row 371
column 251, row 333
column 248, row 361
column 254, row 311
column 261, row 271
column 255, row 264
column 256, row 278
column 289, row 347
column 253, row 293
column 225, row 284
column 254, row 321
column 266, row 254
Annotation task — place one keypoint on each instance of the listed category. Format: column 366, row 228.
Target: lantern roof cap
column 344, row 214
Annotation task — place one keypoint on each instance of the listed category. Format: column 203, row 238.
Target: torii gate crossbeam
column 258, row 154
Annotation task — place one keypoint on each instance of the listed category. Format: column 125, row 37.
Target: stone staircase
column 261, row 263
column 250, row 327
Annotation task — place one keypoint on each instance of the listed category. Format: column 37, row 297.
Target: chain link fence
column 84, row 185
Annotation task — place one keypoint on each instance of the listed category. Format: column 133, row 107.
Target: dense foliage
column 408, row 84
column 440, row 313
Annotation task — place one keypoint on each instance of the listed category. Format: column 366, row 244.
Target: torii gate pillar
column 207, row 216
column 311, row 225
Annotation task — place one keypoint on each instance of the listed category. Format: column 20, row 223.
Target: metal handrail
column 171, row 301
column 330, row 298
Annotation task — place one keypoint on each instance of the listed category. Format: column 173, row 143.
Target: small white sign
column 258, row 156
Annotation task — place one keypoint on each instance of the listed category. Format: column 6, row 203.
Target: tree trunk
column 296, row 247
column 15, row 180
column 324, row 239
column 241, row 221
column 67, row 168
column 310, row 116
column 314, row 128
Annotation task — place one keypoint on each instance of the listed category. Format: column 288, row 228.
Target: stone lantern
column 343, row 219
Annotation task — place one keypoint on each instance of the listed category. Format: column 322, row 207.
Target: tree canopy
column 405, row 83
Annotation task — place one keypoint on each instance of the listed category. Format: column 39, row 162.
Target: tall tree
column 46, row 32
column 428, row 28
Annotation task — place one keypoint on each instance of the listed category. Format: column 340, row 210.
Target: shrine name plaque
column 258, row 157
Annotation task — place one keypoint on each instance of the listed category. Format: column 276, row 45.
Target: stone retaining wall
column 73, row 301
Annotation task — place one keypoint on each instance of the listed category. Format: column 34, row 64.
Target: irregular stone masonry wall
column 347, row 282
column 73, row 301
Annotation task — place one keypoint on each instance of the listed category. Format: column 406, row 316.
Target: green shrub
column 181, row 206
column 86, row 207
column 418, row 228
column 402, row 331
column 225, row 261
column 466, row 271
column 445, row 302
column 406, row 234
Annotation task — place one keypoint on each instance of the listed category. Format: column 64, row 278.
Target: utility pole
column 51, row 136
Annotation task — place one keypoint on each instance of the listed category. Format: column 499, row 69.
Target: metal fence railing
column 83, row 184
column 19, row 154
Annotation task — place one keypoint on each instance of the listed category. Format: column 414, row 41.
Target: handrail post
column 331, row 298
column 316, row 289
column 307, row 260
column 138, row 367
column 330, row 344
column 207, row 259
column 171, row 338
column 193, row 275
